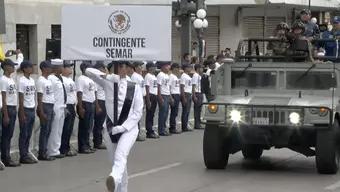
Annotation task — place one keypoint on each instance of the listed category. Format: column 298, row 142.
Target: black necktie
column 62, row 82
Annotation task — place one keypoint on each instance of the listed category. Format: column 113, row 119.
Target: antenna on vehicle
column 246, row 93
column 299, row 94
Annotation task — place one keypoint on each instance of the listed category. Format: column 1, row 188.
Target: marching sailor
column 120, row 129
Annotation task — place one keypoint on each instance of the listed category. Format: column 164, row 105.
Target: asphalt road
column 173, row 164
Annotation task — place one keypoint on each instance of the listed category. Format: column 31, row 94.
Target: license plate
column 260, row 121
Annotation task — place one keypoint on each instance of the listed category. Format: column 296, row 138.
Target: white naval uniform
column 54, row 141
column 119, row 152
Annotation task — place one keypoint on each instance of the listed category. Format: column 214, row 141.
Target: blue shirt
column 330, row 47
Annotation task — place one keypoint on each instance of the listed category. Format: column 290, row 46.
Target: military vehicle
column 264, row 102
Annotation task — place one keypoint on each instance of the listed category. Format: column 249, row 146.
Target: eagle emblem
column 119, row 22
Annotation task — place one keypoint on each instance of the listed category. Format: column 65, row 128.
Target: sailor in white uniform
column 120, row 133
column 60, row 97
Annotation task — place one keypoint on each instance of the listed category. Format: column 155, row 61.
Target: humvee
column 263, row 102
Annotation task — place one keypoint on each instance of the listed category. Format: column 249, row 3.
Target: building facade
column 30, row 23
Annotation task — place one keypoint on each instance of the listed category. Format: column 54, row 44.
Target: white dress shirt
column 58, row 91
column 107, row 82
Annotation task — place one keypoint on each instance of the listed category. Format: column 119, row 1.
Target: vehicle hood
column 306, row 101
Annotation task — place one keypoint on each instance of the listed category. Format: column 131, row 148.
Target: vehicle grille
column 276, row 116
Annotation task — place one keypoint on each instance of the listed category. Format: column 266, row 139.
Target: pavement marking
column 333, row 187
column 155, row 170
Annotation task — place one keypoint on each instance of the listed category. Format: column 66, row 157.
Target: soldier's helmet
column 282, row 26
column 298, row 25
column 305, row 12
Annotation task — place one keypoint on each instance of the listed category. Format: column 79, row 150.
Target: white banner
column 128, row 32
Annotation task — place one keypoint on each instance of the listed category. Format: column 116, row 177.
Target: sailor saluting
column 120, row 130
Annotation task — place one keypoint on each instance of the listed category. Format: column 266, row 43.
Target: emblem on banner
column 119, row 22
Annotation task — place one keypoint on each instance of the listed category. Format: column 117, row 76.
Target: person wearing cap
column 197, row 96
column 86, row 93
column 279, row 48
column 186, row 93
column 45, row 109
column 100, row 114
column 164, row 97
column 26, row 114
column 120, row 135
column 299, row 46
column 331, row 47
column 60, row 96
column 9, row 110
column 311, row 29
column 134, row 70
column 150, row 99
column 175, row 93
column 70, row 113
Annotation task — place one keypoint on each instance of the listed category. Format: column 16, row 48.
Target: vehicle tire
column 327, row 150
column 215, row 150
column 252, row 152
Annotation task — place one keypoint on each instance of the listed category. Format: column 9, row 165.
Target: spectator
column 219, row 61
column 197, row 96
column 26, row 113
column 70, row 113
column 227, row 53
column 9, row 109
column 186, row 93
column 45, row 109
column 164, row 97
column 100, row 114
column 175, row 93
column 331, row 47
column 150, row 99
column 86, row 93
column 194, row 49
column 186, row 58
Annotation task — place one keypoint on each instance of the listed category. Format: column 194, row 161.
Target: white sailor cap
column 57, row 62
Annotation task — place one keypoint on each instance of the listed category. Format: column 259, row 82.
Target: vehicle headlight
column 235, row 116
column 213, row 108
column 323, row 112
column 294, row 118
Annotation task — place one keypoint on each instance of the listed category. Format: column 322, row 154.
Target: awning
column 314, row 3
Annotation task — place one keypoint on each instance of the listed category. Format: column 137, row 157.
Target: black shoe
column 93, row 150
column 175, row 131
column 46, row 158
column 27, row 160
column 86, row 151
column 140, row 138
column 60, row 156
column 110, row 184
column 152, row 136
column 100, row 147
column 186, row 130
column 10, row 163
column 164, row 134
column 71, row 154
column 199, row 128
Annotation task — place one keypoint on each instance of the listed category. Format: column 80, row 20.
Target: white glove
column 118, row 129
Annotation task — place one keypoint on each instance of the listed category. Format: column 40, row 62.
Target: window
column 253, row 79
column 313, row 80
column 56, row 31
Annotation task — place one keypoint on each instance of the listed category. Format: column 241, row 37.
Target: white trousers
column 118, row 154
column 54, row 140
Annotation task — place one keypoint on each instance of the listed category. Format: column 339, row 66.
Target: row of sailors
column 59, row 99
